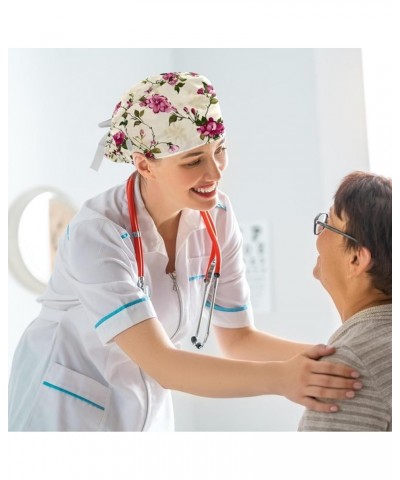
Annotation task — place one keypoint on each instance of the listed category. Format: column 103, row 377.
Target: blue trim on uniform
column 225, row 309
column 130, row 304
column 73, row 395
column 195, row 277
column 220, row 205
column 133, row 234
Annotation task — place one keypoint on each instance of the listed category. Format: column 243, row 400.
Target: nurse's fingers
column 320, row 350
column 336, row 369
column 318, row 406
column 332, row 381
column 329, row 393
column 325, row 366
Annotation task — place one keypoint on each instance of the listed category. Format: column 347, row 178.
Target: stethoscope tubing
column 215, row 250
column 136, row 234
column 213, row 268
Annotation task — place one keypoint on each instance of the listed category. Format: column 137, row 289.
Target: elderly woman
column 355, row 267
column 135, row 269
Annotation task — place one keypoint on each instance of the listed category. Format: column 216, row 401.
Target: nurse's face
column 190, row 180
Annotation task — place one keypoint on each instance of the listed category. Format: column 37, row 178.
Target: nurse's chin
column 204, row 203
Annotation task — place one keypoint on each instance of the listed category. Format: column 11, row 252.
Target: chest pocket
column 197, row 270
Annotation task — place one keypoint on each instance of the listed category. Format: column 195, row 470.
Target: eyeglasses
column 320, row 223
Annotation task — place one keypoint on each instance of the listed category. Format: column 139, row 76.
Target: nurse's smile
column 207, row 191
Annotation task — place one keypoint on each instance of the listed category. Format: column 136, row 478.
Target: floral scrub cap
column 161, row 116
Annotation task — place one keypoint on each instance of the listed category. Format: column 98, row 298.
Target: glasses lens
column 322, row 217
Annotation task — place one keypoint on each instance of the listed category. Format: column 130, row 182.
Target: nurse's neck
column 165, row 216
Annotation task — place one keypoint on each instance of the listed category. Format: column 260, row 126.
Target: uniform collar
column 152, row 241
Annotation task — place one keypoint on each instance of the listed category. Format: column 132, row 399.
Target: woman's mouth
column 206, row 191
column 316, row 268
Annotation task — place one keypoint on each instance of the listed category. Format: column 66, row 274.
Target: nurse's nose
column 214, row 172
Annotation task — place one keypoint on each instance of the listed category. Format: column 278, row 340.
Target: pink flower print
column 129, row 103
column 119, row 138
column 212, row 128
column 148, row 154
column 171, row 78
column 207, row 89
column 117, row 107
column 141, row 133
column 210, row 90
column 173, row 148
column 158, row 103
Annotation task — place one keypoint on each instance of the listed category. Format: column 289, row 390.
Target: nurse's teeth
column 205, row 190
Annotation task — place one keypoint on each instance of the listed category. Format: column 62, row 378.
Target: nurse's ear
column 143, row 165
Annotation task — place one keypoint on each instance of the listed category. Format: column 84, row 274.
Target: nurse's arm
column 248, row 343
column 300, row 379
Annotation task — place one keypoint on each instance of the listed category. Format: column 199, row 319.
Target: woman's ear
column 360, row 261
column 143, row 165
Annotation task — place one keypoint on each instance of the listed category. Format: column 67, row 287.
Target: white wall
column 295, row 125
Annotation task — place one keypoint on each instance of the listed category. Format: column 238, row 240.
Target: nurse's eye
column 193, row 164
column 220, row 150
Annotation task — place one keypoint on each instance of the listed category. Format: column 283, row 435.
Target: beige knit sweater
column 364, row 342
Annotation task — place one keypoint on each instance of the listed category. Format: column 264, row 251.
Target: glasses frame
column 333, row 229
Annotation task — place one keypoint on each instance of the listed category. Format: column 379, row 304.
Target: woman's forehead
column 334, row 215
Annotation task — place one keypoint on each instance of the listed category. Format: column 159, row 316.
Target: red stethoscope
column 213, row 271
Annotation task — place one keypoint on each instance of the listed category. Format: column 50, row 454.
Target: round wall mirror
column 36, row 221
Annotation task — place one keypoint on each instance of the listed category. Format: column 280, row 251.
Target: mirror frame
column 16, row 263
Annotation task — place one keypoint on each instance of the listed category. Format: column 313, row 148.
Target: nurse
column 104, row 352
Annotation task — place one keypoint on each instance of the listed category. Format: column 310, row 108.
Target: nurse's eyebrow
column 195, row 154
column 191, row 154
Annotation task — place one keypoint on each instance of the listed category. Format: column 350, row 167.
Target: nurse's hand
column 311, row 383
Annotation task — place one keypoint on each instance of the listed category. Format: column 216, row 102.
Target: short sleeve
column 366, row 412
column 102, row 270
column 232, row 306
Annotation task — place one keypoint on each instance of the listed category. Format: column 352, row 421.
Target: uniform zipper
column 176, row 289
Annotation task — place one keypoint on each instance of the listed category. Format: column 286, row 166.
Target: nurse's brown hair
column 364, row 201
